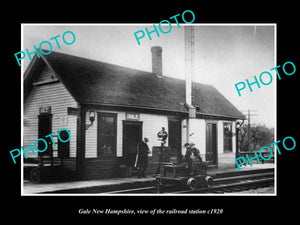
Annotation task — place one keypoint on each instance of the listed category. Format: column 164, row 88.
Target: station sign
column 132, row 116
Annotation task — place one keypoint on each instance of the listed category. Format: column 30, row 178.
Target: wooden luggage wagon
column 174, row 172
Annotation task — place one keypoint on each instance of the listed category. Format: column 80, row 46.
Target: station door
column 44, row 129
column 211, row 144
column 174, row 139
column 132, row 135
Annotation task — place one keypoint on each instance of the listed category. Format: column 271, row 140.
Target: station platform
column 225, row 171
column 92, row 186
column 88, row 186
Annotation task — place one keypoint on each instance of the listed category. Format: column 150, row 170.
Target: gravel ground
column 266, row 190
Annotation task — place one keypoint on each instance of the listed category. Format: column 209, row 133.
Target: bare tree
column 259, row 136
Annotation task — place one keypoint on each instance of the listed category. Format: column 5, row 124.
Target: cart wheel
column 192, row 183
column 209, row 181
column 35, row 175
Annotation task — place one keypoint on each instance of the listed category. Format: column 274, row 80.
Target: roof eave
column 162, row 111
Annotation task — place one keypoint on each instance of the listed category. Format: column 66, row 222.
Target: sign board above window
column 45, row 110
column 72, row 111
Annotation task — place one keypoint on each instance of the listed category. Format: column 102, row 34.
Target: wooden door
column 132, row 135
column 174, row 134
column 63, row 148
column 44, row 129
column 211, row 144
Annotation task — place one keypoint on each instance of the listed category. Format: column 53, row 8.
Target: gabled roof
column 99, row 83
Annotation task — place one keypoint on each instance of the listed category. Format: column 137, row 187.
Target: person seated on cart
column 193, row 159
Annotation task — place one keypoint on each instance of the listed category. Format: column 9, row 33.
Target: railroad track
column 143, row 190
column 233, row 187
column 220, row 185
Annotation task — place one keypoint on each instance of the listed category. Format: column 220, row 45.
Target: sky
column 225, row 54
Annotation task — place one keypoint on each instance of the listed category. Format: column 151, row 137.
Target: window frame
column 231, row 135
column 99, row 143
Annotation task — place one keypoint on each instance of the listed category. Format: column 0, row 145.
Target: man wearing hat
column 193, row 159
column 142, row 157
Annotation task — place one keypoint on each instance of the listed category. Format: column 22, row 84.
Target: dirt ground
column 266, row 190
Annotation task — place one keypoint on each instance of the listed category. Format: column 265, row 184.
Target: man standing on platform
column 141, row 161
column 162, row 137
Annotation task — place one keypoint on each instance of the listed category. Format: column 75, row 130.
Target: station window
column 107, row 134
column 227, row 137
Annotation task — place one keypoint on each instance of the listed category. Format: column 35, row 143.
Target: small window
column 107, row 134
column 227, row 137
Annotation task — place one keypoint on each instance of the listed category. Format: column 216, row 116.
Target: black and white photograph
column 137, row 112
column 185, row 112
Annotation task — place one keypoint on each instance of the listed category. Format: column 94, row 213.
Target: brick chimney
column 156, row 60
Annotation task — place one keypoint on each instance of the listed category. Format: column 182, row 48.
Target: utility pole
column 249, row 129
column 189, row 70
column 249, row 125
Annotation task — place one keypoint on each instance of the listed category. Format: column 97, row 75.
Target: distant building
column 109, row 109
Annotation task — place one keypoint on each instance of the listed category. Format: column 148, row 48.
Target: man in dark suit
column 142, row 157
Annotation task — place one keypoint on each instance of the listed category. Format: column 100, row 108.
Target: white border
column 148, row 24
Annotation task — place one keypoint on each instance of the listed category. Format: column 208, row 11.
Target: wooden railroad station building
column 109, row 109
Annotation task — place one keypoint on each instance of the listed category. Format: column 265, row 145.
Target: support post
column 80, row 139
column 249, row 130
column 236, row 143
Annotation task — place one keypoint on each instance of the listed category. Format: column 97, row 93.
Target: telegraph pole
column 189, row 70
column 249, row 124
column 249, row 129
